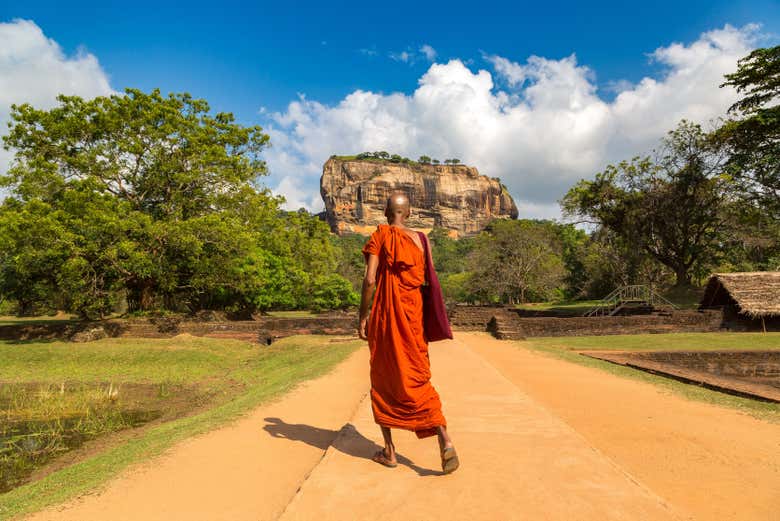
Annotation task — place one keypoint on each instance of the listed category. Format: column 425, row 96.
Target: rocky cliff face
column 455, row 197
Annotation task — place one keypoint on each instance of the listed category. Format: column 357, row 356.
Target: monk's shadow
column 347, row 440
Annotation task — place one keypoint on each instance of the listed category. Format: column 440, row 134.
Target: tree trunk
column 24, row 308
column 141, row 295
column 146, row 300
column 682, row 277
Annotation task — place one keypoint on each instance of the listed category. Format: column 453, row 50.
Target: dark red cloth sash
column 436, row 325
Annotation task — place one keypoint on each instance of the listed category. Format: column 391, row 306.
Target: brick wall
column 761, row 364
column 675, row 322
column 472, row 318
column 167, row 327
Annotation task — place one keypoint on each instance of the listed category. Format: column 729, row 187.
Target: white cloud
column 618, row 86
column 411, row 56
column 403, row 56
column 513, row 73
column 429, row 52
column 34, row 69
column 539, row 125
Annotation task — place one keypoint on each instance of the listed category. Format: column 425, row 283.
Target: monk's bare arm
column 369, row 285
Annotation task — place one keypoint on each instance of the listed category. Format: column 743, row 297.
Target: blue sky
column 257, row 59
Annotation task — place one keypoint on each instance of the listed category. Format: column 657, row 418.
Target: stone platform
column 755, row 374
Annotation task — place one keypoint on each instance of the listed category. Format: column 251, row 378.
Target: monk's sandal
column 449, row 460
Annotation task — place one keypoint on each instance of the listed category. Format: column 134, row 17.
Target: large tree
column 752, row 135
column 151, row 187
column 154, row 198
column 669, row 206
column 516, row 261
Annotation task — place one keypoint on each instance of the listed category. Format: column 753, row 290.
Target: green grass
column 665, row 342
column 44, row 319
column 568, row 307
column 565, row 348
column 171, row 360
column 682, row 298
column 292, row 314
column 240, row 377
column 39, row 422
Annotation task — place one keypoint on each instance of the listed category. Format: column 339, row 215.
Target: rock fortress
column 454, row 197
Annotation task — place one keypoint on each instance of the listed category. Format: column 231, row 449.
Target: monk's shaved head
column 397, row 208
column 397, row 199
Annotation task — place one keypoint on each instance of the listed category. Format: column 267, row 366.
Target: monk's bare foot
column 445, row 442
column 385, row 457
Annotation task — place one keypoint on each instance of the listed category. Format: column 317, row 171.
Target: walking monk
column 402, row 396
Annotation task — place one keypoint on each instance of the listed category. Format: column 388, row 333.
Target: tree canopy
column 752, row 135
column 155, row 201
column 670, row 206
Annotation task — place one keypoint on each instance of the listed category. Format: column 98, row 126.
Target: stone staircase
column 471, row 318
column 505, row 325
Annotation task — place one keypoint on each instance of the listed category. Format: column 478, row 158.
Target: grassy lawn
column 182, row 386
column 568, row 307
column 684, row 298
column 664, row 342
column 292, row 314
column 565, row 348
column 54, row 319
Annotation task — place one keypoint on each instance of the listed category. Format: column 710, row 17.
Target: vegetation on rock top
column 386, row 157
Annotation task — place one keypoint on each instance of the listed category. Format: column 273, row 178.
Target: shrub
column 332, row 292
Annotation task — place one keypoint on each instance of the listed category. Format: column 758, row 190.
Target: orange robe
column 402, row 395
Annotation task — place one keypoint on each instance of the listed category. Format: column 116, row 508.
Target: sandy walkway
column 518, row 462
column 711, row 462
column 248, row 470
column 539, row 439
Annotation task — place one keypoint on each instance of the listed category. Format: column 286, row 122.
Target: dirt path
column 711, row 462
column 248, row 470
column 539, row 438
column 518, row 462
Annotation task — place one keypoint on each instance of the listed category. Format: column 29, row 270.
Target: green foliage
column 332, row 292
column 757, row 78
column 570, row 261
column 455, row 287
column 450, row 257
column 517, row 261
column 350, row 263
column 753, row 138
column 449, row 254
column 574, row 243
column 670, row 207
column 704, row 203
column 237, row 377
column 152, row 199
column 8, row 307
column 394, row 158
column 164, row 156
column 609, row 261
